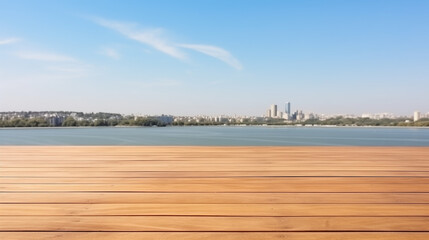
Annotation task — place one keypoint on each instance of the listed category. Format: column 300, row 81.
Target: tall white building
column 416, row 116
column 273, row 111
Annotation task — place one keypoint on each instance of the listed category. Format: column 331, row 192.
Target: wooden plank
column 212, row 224
column 209, row 188
column 219, row 167
column 424, row 165
column 243, row 198
column 212, row 236
column 237, row 156
column 221, row 159
column 223, row 180
column 208, row 173
column 216, row 209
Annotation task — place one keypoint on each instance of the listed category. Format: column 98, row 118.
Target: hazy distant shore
column 218, row 126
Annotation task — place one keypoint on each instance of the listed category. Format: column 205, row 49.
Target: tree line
column 341, row 121
column 148, row 121
column 71, row 122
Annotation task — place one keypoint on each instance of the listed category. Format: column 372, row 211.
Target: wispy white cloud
column 110, row 52
column 151, row 37
column 9, row 41
column 155, row 38
column 215, row 52
column 43, row 56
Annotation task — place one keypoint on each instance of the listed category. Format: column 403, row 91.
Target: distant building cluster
column 287, row 114
column 378, row 115
column 222, row 119
column 273, row 112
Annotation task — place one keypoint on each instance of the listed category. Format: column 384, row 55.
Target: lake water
column 218, row 136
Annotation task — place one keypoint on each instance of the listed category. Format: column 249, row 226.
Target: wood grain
column 216, row 209
column 212, row 235
column 235, row 198
column 217, row 224
column 130, row 193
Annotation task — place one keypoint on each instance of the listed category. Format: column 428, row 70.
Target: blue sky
column 214, row 57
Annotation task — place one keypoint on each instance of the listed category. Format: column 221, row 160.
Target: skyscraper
column 287, row 109
column 416, row 116
column 273, row 110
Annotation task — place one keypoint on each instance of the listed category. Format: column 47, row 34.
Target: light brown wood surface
column 136, row 193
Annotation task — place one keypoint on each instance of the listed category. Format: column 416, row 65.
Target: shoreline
column 225, row 126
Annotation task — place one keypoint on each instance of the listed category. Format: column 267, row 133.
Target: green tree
column 70, row 122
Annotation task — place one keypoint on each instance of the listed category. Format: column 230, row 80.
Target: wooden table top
column 246, row 193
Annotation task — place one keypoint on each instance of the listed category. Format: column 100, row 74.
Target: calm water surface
column 218, row 136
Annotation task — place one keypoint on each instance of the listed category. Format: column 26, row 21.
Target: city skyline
column 416, row 115
column 181, row 58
